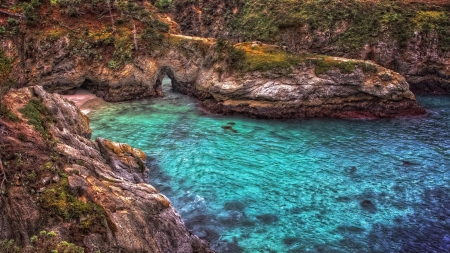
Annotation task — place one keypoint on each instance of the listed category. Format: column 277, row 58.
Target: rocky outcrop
column 422, row 61
column 57, row 69
column 198, row 69
column 304, row 93
column 131, row 215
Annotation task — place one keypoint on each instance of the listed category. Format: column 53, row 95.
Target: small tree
column 164, row 5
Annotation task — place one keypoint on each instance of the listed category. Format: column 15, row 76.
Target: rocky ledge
column 92, row 193
column 315, row 87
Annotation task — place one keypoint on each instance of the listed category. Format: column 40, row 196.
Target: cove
column 319, row 185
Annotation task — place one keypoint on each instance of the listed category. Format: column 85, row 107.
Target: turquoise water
column 319, row 185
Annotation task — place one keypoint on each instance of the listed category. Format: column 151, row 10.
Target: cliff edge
column 91, row 193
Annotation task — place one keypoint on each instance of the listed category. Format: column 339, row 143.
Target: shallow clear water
column 320, row 185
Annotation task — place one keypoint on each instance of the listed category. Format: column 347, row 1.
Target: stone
column 137, row 218
column 55, row 179
column 77, row 185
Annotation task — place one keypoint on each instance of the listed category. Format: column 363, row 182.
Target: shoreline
column 85, row 100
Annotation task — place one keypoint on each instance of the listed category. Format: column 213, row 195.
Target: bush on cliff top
column 365, row 20
column 250, row 57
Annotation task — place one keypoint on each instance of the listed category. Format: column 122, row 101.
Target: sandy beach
column 85, row 100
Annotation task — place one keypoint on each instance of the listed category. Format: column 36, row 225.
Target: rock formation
column 267, row 83
column 421, row 58
column 92, row 193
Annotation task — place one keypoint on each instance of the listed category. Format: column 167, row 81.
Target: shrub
column 38, row 116
column 112, row 64
column 8, row 246
column 164, row 5
column 6, row 113
column 12, row 22
column 58, row 200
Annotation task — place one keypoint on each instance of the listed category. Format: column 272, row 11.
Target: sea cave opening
column 166, row 85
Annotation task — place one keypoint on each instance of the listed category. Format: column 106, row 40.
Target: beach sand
column 86, row 100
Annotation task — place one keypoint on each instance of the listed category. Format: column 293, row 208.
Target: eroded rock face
column 424, row 64
column 112, row 175
column 192, row 63
column 303, row 93
column 58, row 70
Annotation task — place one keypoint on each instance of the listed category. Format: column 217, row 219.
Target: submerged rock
column 368, row 206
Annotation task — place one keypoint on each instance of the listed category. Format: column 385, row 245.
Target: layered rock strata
column 303, row 93
column 197, row 68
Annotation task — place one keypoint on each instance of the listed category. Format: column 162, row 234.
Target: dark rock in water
column 352, row 244
column 368, row 206
column 228, row 247
column 231, row 123
column 267, row 218
column 408, row 163
column 206, row 234
column 350, row 229
column 296, row 210
column 350, row 170
column 235, row 206
column 290, row 240
column 229, row 128
column 236, row 219
column 199, row 220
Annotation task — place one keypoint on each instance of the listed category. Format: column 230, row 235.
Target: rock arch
column 187, row 88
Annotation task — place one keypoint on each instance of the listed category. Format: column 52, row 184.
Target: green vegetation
column 38, row 116
column 9, row 246
column 249, row 57
column 29, row 9
column 57, row 200
column 5, row 84
column 364, row 20
column 6, row 113
column 265, row 57
column 164, row 5
column 324, row 64
column 45, row 242
column 5, row 68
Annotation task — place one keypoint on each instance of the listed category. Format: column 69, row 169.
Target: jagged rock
column 45, row 181
column 77, row 185
column 55, row 179
column 124, row 160
column 137, row 218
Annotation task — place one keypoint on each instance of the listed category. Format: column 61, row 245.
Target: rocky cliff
column 91, row 193
column 254, row 79
column 128, row 58
column 409, row 37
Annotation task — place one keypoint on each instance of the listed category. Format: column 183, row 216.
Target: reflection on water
column 320, row 185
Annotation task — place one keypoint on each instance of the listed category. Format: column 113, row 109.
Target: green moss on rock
column 38, row 116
